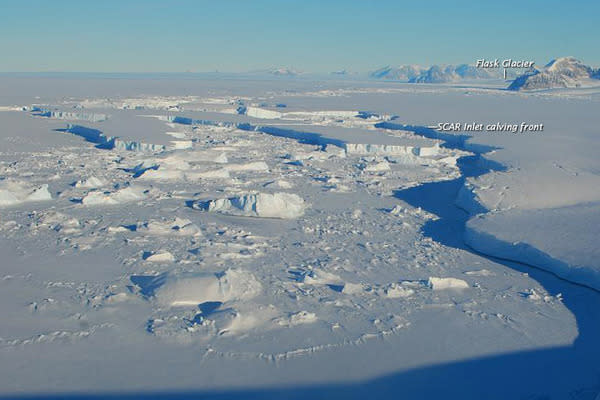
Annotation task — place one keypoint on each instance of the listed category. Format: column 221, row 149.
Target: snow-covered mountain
column 400, row 73
column 340, row 72
column 451, row 73
column 564, row 72
column 284, row 71
column 433, row 74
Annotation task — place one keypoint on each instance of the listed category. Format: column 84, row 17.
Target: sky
column 310, row 36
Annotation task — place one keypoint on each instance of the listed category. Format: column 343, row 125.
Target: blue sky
column 316, row 36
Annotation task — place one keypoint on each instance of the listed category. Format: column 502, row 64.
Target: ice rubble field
column 211, row 235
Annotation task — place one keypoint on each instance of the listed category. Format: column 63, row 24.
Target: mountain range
column 564, row 72
column 434, row 73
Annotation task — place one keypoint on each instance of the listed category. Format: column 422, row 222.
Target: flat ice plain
column 175, row 236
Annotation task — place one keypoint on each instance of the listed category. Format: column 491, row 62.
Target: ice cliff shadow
column 566, row 370
column 90, row 135
column 300, row 136
column 438, row 198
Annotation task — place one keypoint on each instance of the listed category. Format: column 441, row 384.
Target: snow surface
column 180, row 246
column 562, row 240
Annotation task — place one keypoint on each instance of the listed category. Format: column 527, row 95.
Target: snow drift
column 169, row 227
column 447, row 283
column 125, row 195
column 192, row 289
column 264, row 205
column 14, row 192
